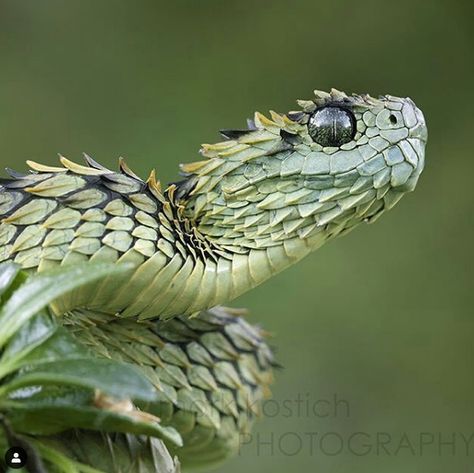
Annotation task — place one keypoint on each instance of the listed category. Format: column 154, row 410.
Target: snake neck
column 250, row 220
column 208, row 266
column 247, row 244
column 191, row 271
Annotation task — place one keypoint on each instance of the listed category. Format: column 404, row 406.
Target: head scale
column 310, row 174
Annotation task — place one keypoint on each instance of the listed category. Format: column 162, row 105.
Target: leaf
column 48, row 419
column 30, row 335
column 61, row 462
column 43, row 288
column 53, row 378
column 117, row 379
column 13, row 277
column 38, row 341
column 8, row 273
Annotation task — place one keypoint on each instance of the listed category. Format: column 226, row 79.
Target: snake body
column 258, row 202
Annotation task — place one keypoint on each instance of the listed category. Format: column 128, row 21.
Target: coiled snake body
column 259, row 201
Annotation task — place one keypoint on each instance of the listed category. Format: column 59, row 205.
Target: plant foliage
column 52, row 385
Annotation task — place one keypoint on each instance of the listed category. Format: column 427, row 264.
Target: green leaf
column 30, row 335
column 52, row 377
column 117, row 379
column 43, row 288
column 61, row 462
column 8, row 273
column 48, row 419
column 38, row 341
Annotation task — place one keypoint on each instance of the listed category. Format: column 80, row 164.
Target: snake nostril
column 393, row 119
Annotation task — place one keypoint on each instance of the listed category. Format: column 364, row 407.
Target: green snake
column 257, row 202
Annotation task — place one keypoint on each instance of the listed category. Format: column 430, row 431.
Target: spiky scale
column 32, row 212
column 201, row 377
column 9, row 201
column 145, row 233
column 90, row 230
column 85, row 246
column 56, row 186
column 145, row 247
column 85, row 199
column 120, row 223
column 146, row 219
column 7, row 232
column 64, row 218
column 118, row 240
column 94, row 215
column 28, row 258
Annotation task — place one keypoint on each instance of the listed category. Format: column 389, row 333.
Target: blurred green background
column 380, row 320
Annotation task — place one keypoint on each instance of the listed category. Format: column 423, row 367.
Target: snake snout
column 406, row 174
column 415, row 120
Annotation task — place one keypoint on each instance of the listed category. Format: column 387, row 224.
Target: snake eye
column 332, row 126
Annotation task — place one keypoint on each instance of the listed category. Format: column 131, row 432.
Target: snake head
column 383, row 138
column 319, row 171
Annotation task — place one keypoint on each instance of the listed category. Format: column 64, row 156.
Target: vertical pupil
column 331, row 126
